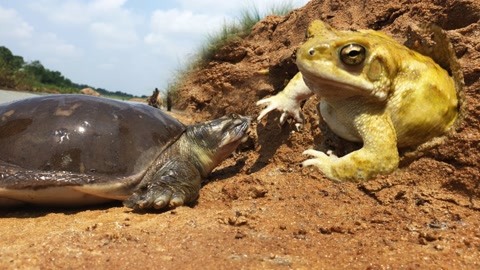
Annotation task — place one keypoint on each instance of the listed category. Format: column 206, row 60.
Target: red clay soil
column 260, row 209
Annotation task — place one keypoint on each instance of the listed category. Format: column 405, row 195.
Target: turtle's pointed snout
column 244, row 123
column 238, row 122
column 235, row 129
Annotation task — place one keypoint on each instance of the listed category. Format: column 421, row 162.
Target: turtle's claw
column 155, row 199
column 176, row 201
column 162, row 200
column 160, row 197
column 160, row 203
column 143, row 204
column 169, row 189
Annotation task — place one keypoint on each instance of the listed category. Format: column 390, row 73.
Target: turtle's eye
column 352, row 54
column 234, row 116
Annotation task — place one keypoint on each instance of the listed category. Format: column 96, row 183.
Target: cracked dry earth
column 260, row 209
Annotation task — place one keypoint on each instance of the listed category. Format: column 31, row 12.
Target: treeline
column 32, row 76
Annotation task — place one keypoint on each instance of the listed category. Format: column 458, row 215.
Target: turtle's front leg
column 175, row 184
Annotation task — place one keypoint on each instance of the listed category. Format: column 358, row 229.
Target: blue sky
column 129, row 46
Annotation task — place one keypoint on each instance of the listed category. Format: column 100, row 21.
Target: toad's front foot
column 289, row 107
column 288, row 100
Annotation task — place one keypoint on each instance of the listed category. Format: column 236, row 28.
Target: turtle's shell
column 84, row 134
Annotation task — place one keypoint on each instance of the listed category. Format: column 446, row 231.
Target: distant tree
column 16, row 73
column 36, row 69
column 5, row 53
column 9, row 64
column 17, row 62
column 14, row 62
column 46, row 76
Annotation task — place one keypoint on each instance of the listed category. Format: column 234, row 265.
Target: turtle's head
column 214, row 140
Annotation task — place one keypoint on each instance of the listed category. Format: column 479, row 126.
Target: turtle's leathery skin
column 107, row 149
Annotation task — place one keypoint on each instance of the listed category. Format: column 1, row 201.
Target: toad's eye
column 352, row 54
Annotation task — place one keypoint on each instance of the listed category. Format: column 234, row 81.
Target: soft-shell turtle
column 80, row 150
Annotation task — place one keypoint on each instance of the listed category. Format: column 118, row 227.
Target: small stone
column 422, row 241
column 237, row 221
column 258, row 192
column 430, row 237
column 240, row 235
column 324, row 230
column 259, row 51
column 300, row 234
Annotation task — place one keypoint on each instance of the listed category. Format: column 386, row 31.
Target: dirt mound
column 446, row 176
column 260, row 209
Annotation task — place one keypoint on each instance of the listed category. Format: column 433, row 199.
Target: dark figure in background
column 169, row 101
column 155, row 100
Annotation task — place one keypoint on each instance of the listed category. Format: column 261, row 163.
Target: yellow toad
column 373, row 90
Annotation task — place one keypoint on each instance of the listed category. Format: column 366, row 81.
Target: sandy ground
column 7, row 95
column 260, row 209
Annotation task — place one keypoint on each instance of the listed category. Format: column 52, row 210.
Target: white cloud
column 62, row 12
column 212, row 6
column 15, row 30
column 125, row 45
column 176, row 33
column 195, row 19
column 77, row 12
column 235, row 7
column 110, row 25
column 51, row 44
column 113, row 36
column 13, row 26
column 182, row 22
column 106, row 5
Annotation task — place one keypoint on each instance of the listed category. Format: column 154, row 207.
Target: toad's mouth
column 326, row 84
column 333, row 89
column 330, row 82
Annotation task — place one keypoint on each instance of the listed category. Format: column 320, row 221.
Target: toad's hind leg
column 379, row 154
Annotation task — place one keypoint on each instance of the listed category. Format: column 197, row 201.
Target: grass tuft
column 229, row 31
